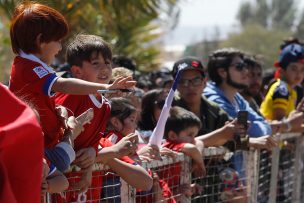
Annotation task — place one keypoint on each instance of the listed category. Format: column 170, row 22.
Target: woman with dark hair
column 152, row 104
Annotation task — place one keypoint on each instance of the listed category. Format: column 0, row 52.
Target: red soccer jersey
column 32, row 82
column 171, row 174
column 21, row 151
column 114, row 136
column 78, row 104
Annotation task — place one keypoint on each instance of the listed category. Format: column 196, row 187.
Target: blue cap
column 291, row 53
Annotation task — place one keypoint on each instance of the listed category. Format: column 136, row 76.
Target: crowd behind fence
column 267, row 176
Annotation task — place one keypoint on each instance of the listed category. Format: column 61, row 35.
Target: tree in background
column 132, row 27
column 256, row 39
column 263, row 26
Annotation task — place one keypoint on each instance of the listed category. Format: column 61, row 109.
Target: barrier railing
column 263, row 177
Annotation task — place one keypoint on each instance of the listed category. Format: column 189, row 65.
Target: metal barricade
column 260, row 176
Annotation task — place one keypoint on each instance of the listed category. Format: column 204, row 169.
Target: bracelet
column 288, row 125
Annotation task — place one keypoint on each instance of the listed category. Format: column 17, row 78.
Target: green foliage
column 277, row 14
column 256, row 39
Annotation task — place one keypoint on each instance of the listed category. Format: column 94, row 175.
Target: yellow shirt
column 280, row 95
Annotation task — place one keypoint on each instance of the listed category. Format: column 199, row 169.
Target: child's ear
column 172, row 135
column 38, row 41
column 76, row 71
column 115, row 122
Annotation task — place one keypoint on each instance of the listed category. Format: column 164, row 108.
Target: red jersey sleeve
column 174, row 146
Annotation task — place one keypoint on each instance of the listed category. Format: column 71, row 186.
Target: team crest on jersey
column 40, row 71
column 113, row 138
column 283, row 90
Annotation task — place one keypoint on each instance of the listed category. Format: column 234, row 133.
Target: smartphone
column 242, row 117
column 242, row 140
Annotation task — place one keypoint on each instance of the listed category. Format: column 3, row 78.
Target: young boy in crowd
column 282, row 97
column 181, row 128
column 89, row 57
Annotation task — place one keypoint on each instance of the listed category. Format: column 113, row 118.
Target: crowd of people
column 101, row 110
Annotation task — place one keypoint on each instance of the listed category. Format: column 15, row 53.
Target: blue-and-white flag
column 158, row 132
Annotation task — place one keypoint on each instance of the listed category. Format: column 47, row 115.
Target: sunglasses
column 159, row 104
column 240, row 66
column 197, row 81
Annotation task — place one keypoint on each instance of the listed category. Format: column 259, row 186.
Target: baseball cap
column 188, row 63
column 291, row 53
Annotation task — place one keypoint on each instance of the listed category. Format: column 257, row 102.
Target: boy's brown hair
column 83, row 46
column 181, row 119
column 32, row 22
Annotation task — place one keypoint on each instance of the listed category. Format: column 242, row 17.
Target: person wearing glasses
column 189, row 96
column 229, row 75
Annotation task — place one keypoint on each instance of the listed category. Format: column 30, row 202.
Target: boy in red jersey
column 181, row 128
column 90, row 59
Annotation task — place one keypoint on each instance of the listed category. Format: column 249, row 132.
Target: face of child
column 49, row 50
column 130, row 124
column 97, row 70
column 294, row 73
column 187, row 135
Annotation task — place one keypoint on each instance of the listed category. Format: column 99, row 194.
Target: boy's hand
column 198, row 169
column 75, row 127
column 196, row 188
column 168, row 152
column 85, row 181
column 85, row 157
column 127, row 145
column 186, row 190
column 149, row 153
column 123, row 83
column 62, row 114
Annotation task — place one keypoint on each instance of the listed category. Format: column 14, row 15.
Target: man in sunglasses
column 229, row 75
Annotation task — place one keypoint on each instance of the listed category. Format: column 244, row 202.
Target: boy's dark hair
column 121, row 108
column 221, row 58
column 83, row 46
column 252, row 62
column 181, row 119
column 32, row 20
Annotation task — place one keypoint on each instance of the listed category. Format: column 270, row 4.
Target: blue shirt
column 258, row 125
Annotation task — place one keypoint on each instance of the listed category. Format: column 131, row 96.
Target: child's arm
column 126, row 146
column 134, row 175
column 85, row 180
column 57, row 182
column 82, row 87
column 192, row 151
